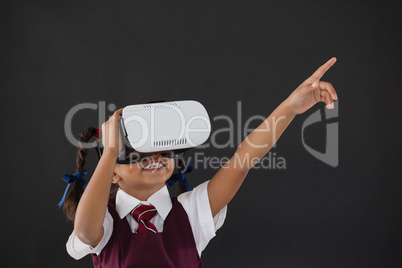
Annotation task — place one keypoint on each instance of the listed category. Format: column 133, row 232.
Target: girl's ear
column 116, row 178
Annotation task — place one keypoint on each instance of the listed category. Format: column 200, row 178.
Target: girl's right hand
column 111, row 137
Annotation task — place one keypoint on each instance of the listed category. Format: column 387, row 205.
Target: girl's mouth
column 154, row 169
column 154, row 166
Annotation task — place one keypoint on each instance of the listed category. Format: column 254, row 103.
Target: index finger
column 321, row 71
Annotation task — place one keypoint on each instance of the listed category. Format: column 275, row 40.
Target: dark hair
column 76, row 190
column 74, row 195
column 181, row 166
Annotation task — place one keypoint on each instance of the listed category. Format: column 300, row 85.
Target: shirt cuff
column 78, row 249
column 210, row 225
column 204, row 227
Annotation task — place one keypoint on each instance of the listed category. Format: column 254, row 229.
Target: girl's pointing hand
column 312, row 91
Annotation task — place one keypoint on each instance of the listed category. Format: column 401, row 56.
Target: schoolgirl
column 124, row 216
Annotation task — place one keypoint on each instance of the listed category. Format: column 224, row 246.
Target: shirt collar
column 160, row 200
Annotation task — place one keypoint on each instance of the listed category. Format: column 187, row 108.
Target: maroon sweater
column 174, row 247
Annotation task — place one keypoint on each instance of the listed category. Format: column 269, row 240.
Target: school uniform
column 187, row 221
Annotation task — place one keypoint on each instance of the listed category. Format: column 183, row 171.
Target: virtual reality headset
column 170, row 128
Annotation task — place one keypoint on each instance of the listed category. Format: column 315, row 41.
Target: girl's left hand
column 312, row 91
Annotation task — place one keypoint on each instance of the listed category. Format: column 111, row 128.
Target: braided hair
column 74, row 195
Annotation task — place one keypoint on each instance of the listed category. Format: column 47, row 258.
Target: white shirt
column 195, row 203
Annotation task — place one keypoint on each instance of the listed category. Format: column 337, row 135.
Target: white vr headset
column 162, row 126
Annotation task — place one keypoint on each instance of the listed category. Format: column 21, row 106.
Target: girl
column 142, row 226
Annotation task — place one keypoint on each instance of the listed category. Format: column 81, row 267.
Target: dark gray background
column 57, row 54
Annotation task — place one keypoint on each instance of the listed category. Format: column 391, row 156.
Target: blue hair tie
column 179, row 176
column 70, row 179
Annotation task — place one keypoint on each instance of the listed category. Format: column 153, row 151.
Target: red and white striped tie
column 143, row 214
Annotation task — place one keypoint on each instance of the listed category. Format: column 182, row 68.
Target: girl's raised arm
column 226, row 182
column 91, row 210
